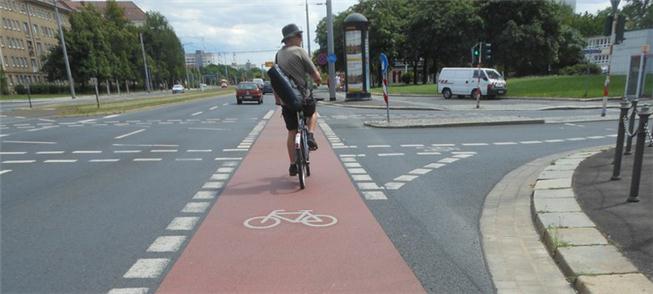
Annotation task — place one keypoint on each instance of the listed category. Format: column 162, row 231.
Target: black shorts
column 290, row 117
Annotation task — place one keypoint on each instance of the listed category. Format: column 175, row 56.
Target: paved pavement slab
column 578, row 236
column 593, row 260
column 609, row 284
column 565, row 220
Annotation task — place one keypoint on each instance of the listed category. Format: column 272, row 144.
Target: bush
column 580, row 69
column 407, row 77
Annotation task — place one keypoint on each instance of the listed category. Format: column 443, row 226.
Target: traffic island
column 584, row 255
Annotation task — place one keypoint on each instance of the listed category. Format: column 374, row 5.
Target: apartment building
column 621, row 53
column 200, row 59
column 27, row 33
column 133, row 13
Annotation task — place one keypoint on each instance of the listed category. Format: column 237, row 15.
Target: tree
column 162, row 44
column 4, row 88
column 639, row 14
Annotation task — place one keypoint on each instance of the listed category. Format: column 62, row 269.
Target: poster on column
column 354, row 61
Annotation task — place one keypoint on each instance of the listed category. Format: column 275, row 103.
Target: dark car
column 267, row 87
column 248, row 91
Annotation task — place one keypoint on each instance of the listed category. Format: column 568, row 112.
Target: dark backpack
column 285, row 88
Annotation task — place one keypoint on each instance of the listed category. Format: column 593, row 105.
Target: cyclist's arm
column 315, row 75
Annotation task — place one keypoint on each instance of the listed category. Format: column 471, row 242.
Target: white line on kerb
column 129, row 134
column 196, row 113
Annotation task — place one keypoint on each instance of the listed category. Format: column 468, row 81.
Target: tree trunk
column 127, row 86
column 108, row 86
column 415, row 62
column 425, row 70
column 118, row 86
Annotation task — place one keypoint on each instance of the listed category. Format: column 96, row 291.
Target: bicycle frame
column 280, row 214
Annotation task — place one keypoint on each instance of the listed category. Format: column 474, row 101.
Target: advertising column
column 357, row 84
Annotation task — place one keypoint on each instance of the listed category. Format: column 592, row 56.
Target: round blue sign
column 331, row 58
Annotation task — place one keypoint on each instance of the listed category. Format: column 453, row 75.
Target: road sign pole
column 478, row 83
column 613, row 38
column 331, row 65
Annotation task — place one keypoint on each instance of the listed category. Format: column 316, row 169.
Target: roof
column 133, row 13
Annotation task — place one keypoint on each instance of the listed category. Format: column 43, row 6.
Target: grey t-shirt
column 294, row 61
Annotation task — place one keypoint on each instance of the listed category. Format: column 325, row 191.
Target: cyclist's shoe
column 292, row 170
column 311, row 142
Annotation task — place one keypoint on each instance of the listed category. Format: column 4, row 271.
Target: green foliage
column 580, row 69
column 639, row 14
column 4, row 88
column 107, row 46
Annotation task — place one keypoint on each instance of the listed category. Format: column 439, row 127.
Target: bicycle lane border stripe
column 354, row 255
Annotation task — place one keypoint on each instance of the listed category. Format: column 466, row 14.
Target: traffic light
column 619, row 31
column 476, row 53
column 487, row 53
column 607, row 26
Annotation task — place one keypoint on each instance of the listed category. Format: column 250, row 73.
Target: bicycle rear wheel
column 301, row 168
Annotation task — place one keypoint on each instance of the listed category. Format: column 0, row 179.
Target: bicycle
column 304, row 216
column 302, row 159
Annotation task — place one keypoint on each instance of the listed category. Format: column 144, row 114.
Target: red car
column 248, row 91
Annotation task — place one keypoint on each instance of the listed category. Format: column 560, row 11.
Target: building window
column 25, row 27
column 35, row 29
column 39, row 48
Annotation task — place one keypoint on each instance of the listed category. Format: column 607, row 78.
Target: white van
column 463, row 81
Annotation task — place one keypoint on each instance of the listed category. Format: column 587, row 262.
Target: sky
column 253, row 25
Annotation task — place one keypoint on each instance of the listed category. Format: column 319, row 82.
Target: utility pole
column 65, row 52
column 147, row 74
column 308, row 31
column 613, row 39
column 330, row 50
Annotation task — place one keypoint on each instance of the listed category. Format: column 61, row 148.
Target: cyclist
column 294, row 61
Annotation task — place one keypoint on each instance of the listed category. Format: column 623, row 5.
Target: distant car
column 248, row 91
column 267, row 87
column 178, row 89
column 259, row 83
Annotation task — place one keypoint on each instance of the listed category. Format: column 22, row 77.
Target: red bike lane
column 352, row 255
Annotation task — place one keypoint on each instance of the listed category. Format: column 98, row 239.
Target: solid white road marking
column 4, row 135
column 12, row 153
column 182, row 223
column 147, row 268
column 61, row 161
column 463, row 155
column 205, row 195
column 575, row 139
column 129, row 134
column 2, row 172
column 554, row 141
column 412, row 145
column 128, row 291
column 167, row 244
column 374, row 195
column 196, row 113
column 213, row 108
column 48, row 120
column 147, row 159
column 268, row 115
column 475, row 144
column 596, row 137
column 29, row 142
column 195, row 207
column 105, row 160
column 443, row 145
column 86, row 121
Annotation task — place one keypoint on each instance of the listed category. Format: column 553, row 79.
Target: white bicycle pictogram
column 305, row 217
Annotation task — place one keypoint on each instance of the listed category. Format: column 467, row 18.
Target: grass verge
column 130, row 105
column 536, row 87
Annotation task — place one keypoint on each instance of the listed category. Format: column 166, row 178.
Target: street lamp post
column 147, row 74
column 65, row 52
column 308, row 31
column 613, row 39
column 330, row 50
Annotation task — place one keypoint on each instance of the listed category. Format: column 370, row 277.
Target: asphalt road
column 82, row 198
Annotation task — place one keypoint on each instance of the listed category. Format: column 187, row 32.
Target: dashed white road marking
column 202, row 195
column 129, row 134
column 390, row 154
column 405, row 178
column 374, row 195
column 419, row 171
column 225, row 170
column 196, row 113
column 147, row 268
column 163, row 150
column 111, row 116
column 227, row 158
column 505, row 143
column 43, row 128
column 429, row 153
column 443, row 145
column 352, row 164
column 128, row 291
column 359, row 178
column 576, row 139
column 105, row 160
column 189, row 159
column 50, row 152
column 4, row 135
column 127, row 151
column 182, row 223
column 393, row 185
column 234, row 150
column 434, row 165
column 368, row 186
column 167, row 244
column 530, row 142
column 198, row 150
column 216, row 184
column 448, row 160
column 554, row 141
column 61, row 161
column 87, row 152
column 356, row 171
column 147, row 159
column 19, row 161
column 475, row 144
column 195, row 207
column 30, row 142
column 412, row 145
column 378, row 146
column 596, row 137
column 213, row 108
column 2, row 172
column 12, row 153
column 86, row 121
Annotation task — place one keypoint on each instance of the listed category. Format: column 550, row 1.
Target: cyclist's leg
column 290, row 118
column 311, row 123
